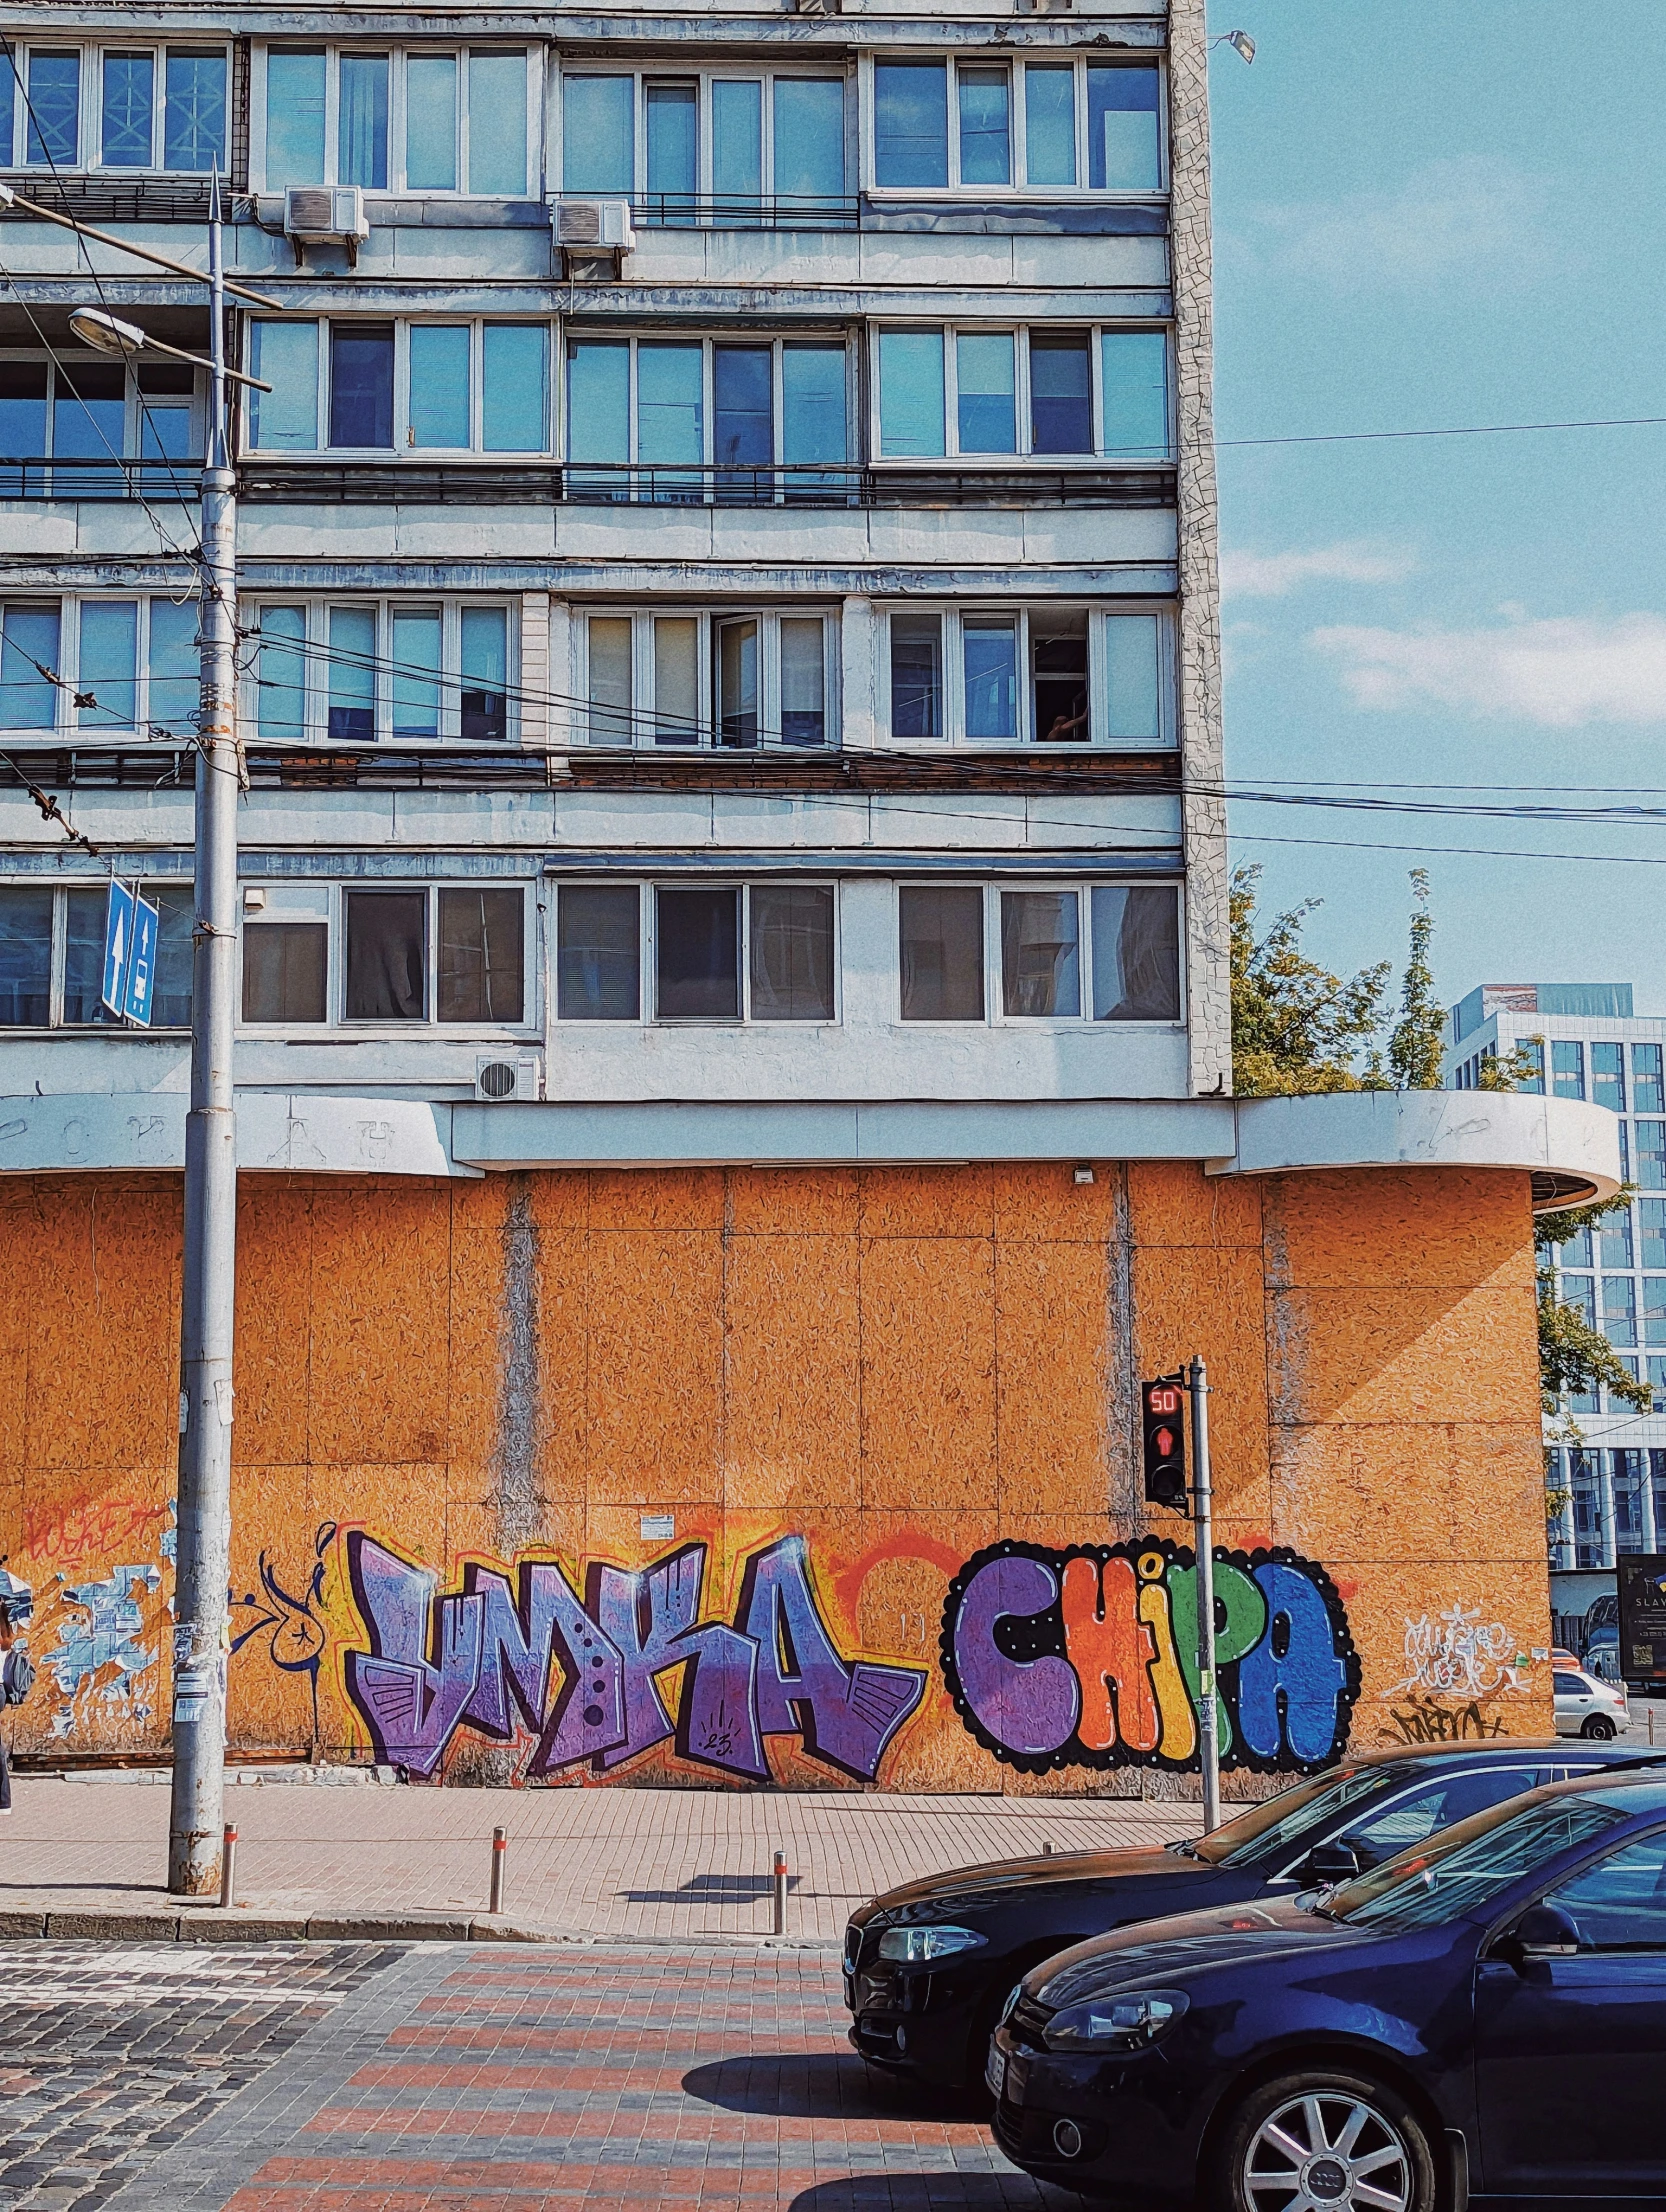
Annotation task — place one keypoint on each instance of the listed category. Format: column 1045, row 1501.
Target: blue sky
column 1441, row 212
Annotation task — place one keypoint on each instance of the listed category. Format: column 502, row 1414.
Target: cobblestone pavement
column 475, row 2079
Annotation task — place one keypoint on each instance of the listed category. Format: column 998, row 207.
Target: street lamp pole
column 209, row 1277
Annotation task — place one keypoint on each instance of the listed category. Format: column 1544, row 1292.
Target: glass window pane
column 984, row 373
column 985, row 127
column 89, row 411
column 1619, row 1309
column 791, row 955
column 25, row 956
column 598, row 952
column 1654, row 1309
column 989, row 646
column 165, row 398
column 1124, row 145
column 1648, row 1085
column 803, row 682
column 697, row 954
column 809, row 138
column 1575, row 1251
column 670, row 403
column 415, row 680
column 294, row 119
column 737, row 683
column 1651, row 1222
column 1061, row 408
column 1059, row 659
column 361, row 384
column 1620, row 1903
column 362, row 146
column 813, row 403
column 194, row 135
column 482, row 965
column 109, row 664
column 676, row 680
column 671, row 122
column 916, row 675
column 941, row 953
column 737, row 141
column 439, row 384
column 282, row 680
column 1608, row 1077
column 1650, row 1167
column 386, row 971
column 53, row 132
column 431, row 122
column 1567, row 1068
column 1050, row 123
column 911, row 123
column 28, row 643
column 515, row 412
column 22, row 404
column 85, row 914
column 1040, row 966
column 598, row 400
column 497, row 125
column 610, row 679
column 127, row 111
column 743, row 404
column 284, row 971
column 485, row 701
column 1133, row 676
column 1136, row 954
column 910, row 394
column 1134, row 377
column 352, row 674
column 175, row 663
column 8, row 107
column 598, row 137
column 285, row 419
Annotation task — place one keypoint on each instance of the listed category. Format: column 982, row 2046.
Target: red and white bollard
column 500, row 1852
column 780, row 1871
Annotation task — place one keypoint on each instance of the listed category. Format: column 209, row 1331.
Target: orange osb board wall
column 818, row 1389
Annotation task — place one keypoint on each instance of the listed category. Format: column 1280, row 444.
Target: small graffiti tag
column 295, row 1625
column 1425, row 1720
column 1088, row 1657
column 1460, row 1655
column 582, row 1672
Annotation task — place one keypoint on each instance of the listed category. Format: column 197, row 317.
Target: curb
column 208, row 1924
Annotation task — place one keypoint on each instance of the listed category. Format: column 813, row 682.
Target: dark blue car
column 1482, row 2018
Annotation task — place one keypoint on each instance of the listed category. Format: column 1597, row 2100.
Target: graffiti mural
column 1087, row 1657
column 1460, row 1655
column 584, row 1673
column 100, row 1648
column 293, row 1626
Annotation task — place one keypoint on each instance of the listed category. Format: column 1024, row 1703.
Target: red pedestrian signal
column 1164, row 1438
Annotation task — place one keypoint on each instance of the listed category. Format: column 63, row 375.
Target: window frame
column 133, row 415
column 994, row 1014
column 648, row 1015
column 644, row 708
column 67, row 727
column 1014, row 64
column 703, row 75
column 1023, row 454
column 399, row 53
column 61, row 890
column 955, row 614
column 708, row 341
column 89, row 149
column 475, row 454
column 316, row 662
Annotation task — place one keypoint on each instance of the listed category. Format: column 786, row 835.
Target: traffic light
column 1164, row 1433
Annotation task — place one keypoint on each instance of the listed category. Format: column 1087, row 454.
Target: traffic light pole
column 1209, row 1750
column 206, row 1305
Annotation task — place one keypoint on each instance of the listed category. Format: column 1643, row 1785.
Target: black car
column 928, row 1966
column 1480, row 2021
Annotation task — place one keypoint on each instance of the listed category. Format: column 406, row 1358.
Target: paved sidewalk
column 88, row 1856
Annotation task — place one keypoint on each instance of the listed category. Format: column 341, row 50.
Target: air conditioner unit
column 596, row 225
column 500, row 1076
column 325, row 214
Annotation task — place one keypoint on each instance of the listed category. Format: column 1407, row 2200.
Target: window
column 86, row 411
column 1649, row 1169
column 52, row 115
column 598, row 952
column 406, row 387
column 1136, row 954
column 123, row 665
column 1608, row 1077
column 960, row 393
column 1041, row 970
column 719, row 952
column 1567, row 1069
column 375, row 671
column 482, row 959
column 398, row 120
column 1037, row 125
column 1651, row 1220
column 1042, row 675
column 686, row 678
column 52, row 956
column 1654, row 1309
column 941, row 952
column 285, row 971
column 1413, row 1819
column 722, row 147
column 1614, row 1239
column 127, row 108
column 1115, row 957
column 1620, row 1903
column 1619, row 1309
column 1648, row 1086
column 448, row 953
column 1534, row 1050
column 361, row 384
column 672, row 408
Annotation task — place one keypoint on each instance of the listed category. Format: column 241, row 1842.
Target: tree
column 1296, row 1028
column 1416, row 1041
column 1575, row 1358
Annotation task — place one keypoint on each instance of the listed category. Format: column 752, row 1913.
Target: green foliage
column 1296, row 1028
column 1574, row 1358
column 1415, row 1043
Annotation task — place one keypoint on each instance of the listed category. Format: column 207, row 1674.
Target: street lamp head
column 105, row 333
column 1240, row 42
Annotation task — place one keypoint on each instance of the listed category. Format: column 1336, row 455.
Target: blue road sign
column 141, row 964
column 118, row 946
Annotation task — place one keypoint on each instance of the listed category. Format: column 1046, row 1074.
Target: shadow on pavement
column 893, row 2192
column 711, row 1889
column 822, row 2085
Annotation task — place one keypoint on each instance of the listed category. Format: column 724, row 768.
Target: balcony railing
column 682, row 211
column 87, row 479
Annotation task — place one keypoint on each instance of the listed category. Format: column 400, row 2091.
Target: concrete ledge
column 297, row 1133
column 208, row 1924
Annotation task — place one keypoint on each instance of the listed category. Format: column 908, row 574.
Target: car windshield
column 1265, row 1830
column 1471, row 1864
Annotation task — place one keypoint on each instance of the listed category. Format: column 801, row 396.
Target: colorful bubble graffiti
column 581, row 1673
column 1088, row 1657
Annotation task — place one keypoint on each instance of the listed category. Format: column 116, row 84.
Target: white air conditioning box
column 325, row 214
column 508, row 1076
column 594, row 226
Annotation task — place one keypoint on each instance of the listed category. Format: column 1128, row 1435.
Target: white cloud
column 1559, row 672
column 1465, row 212
column 1246, row 575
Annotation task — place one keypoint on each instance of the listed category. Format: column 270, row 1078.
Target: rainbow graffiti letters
column 498, row 1656
column 1087, row 1657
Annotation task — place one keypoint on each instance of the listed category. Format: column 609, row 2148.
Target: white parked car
column 1587, row 1707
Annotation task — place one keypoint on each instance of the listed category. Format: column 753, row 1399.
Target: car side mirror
column 1543, row 1932
column 1332, row 1862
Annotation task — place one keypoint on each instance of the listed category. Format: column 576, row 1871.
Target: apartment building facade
column 734, row 1064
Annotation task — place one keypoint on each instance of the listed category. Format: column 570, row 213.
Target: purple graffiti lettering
column 410, row 1702
column 519, row 1636
column 1027, row 1704
column 717, row 1721
column 643, row 1615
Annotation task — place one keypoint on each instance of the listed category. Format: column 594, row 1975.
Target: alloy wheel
column 1326, row 2153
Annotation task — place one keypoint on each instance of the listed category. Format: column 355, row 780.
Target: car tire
column 1325, row 2127
column 1599, row 1728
